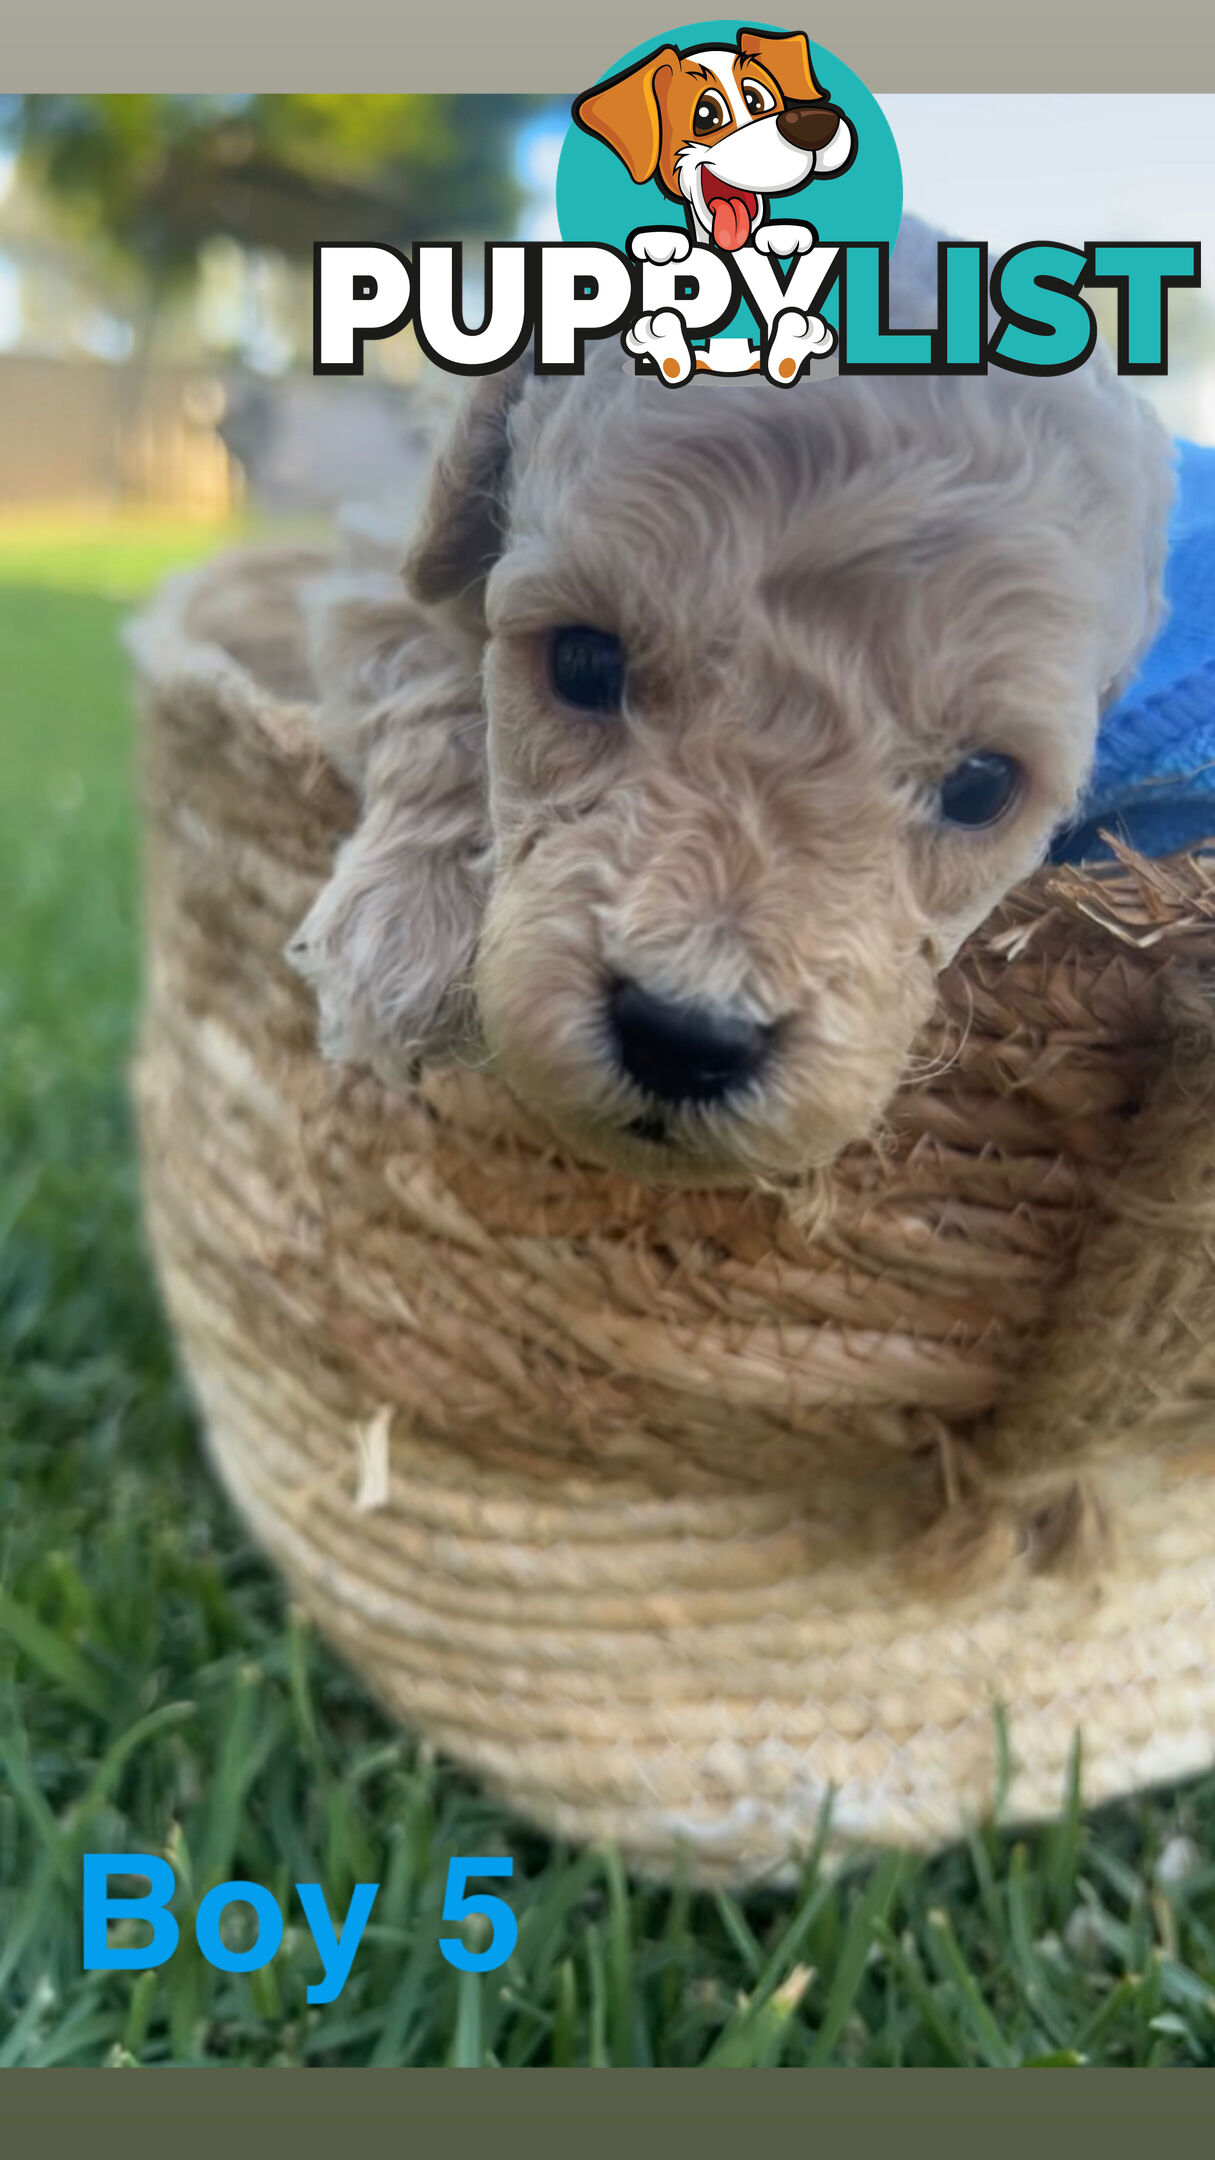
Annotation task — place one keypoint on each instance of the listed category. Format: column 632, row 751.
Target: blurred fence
column 199, row 441
column 77, row 431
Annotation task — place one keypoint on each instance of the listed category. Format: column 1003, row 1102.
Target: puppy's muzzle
column 683, row 1053
column 808, row 127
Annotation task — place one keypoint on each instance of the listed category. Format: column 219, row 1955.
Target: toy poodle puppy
column 705, row 727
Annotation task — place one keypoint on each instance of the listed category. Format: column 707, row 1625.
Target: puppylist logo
column 728, row 196
column 723, row 129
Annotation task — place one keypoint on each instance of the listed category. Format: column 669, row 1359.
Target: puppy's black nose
column 808, row 127
column 683, row 1053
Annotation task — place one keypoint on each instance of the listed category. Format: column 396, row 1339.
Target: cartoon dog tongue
column 731, row 222
column 733, row 211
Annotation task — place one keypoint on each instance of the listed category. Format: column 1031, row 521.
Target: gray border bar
column 551, row 46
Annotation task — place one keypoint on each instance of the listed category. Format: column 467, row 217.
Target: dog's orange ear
column 787, row 59
column 625, row 112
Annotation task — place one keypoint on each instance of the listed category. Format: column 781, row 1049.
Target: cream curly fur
column 826, row 597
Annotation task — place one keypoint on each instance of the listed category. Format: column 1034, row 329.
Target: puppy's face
column 781, row 695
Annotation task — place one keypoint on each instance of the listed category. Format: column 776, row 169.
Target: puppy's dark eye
column 587, row 668
column 980, row 789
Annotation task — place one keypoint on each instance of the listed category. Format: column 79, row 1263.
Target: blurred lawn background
column 157, row 1693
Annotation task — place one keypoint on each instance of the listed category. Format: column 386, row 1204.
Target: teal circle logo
column 598, row 200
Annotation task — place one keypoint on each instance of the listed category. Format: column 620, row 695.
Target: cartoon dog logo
column 722, row 130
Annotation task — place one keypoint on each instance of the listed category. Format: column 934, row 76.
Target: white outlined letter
column 439, row 324
column 585, row 291
column 358, row 291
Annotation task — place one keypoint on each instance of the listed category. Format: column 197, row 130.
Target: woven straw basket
column 667, row 1512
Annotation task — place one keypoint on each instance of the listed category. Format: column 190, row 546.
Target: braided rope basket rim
column 603, row 1490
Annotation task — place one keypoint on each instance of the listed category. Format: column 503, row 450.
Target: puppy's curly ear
column 464, row 517
column 388, row 944
column 1126, row 466
column 387, row 949
column 1152, row 458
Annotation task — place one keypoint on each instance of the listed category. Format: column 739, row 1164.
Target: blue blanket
column 1154, row 779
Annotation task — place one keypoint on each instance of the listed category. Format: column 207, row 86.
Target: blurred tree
column 157, row 177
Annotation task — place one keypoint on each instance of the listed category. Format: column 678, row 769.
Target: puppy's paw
column 663, row 339
column 796, row 339
column 661, row 244
column 785, row 239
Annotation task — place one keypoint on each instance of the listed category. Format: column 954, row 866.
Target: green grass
column 157, row 1694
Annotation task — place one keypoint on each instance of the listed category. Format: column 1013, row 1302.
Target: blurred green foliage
column 155, row 178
